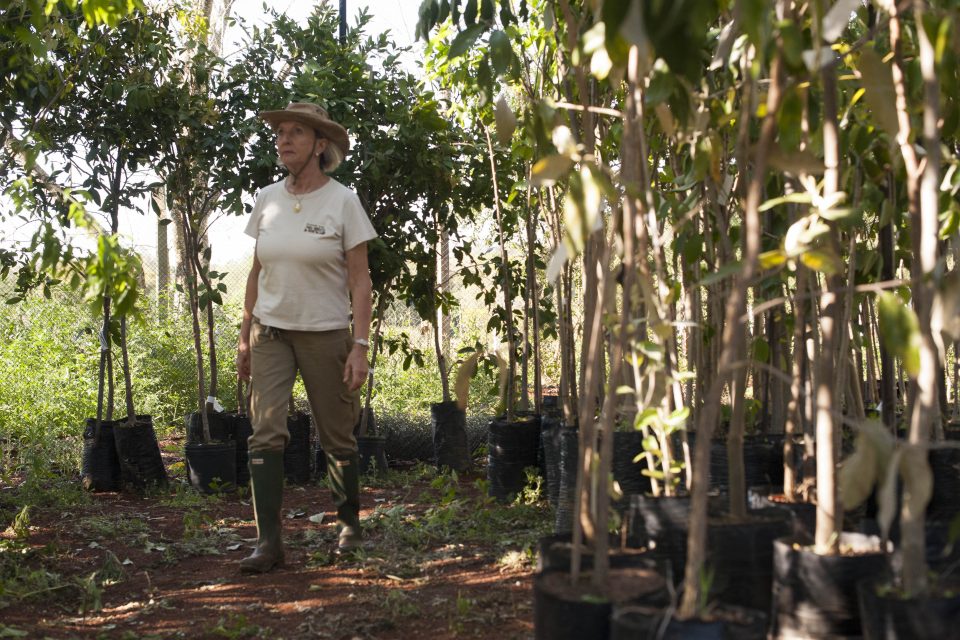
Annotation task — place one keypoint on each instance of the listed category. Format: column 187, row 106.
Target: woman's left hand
column 356, row 370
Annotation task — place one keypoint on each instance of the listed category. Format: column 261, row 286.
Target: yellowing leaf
column 771, row 259
column 821, row 260
column 665, row 117
column 462, row 384
column 547, row 171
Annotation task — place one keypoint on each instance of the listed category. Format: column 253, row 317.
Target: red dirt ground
column 178, row 576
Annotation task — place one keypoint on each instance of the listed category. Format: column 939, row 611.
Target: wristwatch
column 363, row 342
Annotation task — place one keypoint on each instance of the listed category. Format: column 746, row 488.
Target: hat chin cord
column 296, row 174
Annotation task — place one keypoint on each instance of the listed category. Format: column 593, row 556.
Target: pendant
column 296, row 207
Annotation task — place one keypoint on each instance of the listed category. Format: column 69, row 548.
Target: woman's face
column 297, row 144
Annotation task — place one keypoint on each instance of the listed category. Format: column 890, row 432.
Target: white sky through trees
column 398, row 17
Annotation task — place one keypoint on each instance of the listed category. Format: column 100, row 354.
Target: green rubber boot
column 266, row 485
column 344, row 475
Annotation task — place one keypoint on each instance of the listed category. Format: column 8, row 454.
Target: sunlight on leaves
column 899, row 331
column 547, row 171
column 506, row 121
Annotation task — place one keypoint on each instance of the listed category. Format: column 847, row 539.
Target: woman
column 309, row 272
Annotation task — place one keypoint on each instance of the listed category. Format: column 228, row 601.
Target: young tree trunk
column 441, row 359
column 212, row 352
column 163, row 256
column 780, row 358
column 507, row 289
column 923, row 182
column 190, row 272
column 584, row 522
column 869, row 352
column 445, row 287
column 956, row 381
column 794, row 423
column 533, row 294
column 374, row 352
column 888, row 373
column 734, row 337
column 829, row 510
column 440, row 318
column 127, row 379
column 104, row 365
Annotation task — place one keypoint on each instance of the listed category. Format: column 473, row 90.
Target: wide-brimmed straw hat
column 313, row 116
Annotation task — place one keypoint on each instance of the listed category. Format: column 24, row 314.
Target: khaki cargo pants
column 276, row 355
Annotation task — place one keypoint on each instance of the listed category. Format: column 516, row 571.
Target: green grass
column 49, row 360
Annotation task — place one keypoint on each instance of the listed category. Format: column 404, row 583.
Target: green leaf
column 761, row 350
column 838, row 215
column 858, row 474
column 650, row 444
column 486, row 10
column 878, row 82
column 614, row 12
column 950, row 221
column 795, row 198
column 645, row 418
column 917, row 481
column 464, row 40
column 591, row 599
column 678, row 418
column 501, row 52
column 470, row 12
column 582, row 207
column 899, row 331
column 887, row 496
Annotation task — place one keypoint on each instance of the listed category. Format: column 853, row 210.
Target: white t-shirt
column 303, row 279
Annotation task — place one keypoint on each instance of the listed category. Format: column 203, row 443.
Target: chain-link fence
column 164, row 365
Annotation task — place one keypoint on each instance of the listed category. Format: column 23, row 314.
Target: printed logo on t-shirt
column 318, row 229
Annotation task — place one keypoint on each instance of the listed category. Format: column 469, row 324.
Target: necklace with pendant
column 298, row 205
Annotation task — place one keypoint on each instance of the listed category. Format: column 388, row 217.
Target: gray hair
column 331, row 157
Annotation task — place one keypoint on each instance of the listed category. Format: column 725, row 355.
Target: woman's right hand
column 243, row 361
